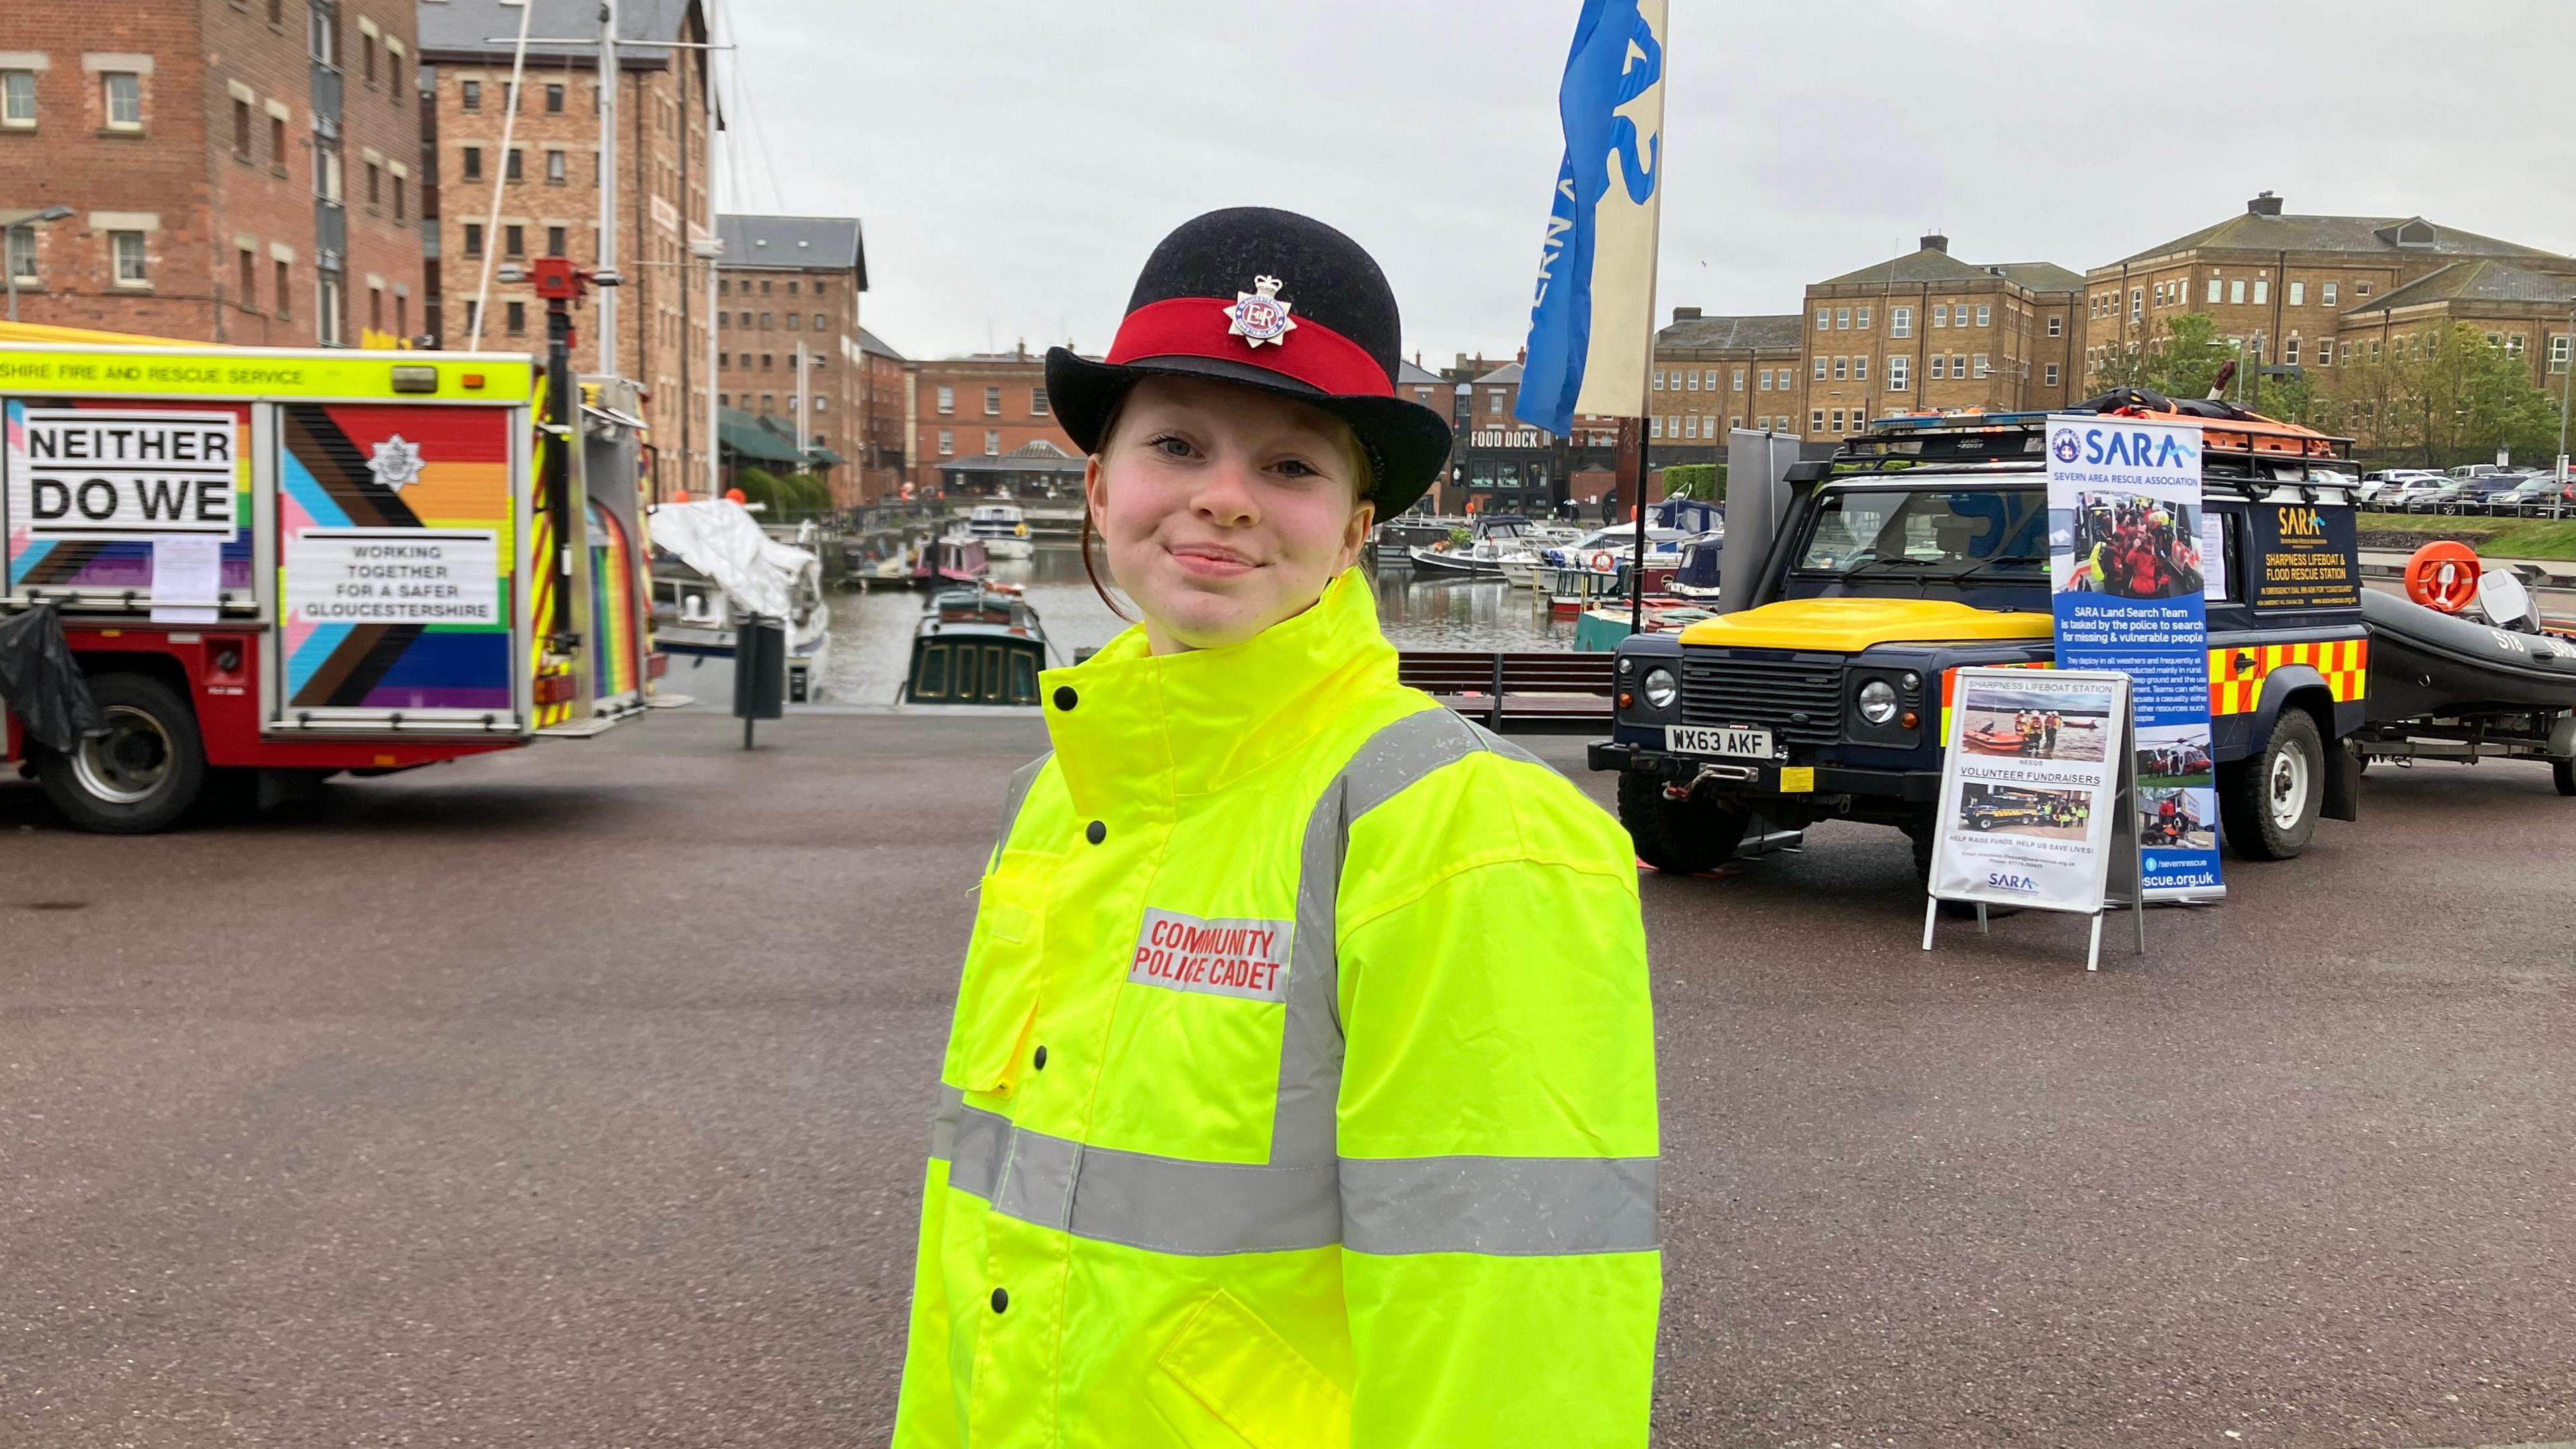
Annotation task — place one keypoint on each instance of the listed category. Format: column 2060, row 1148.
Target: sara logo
column 2067, row 448
column 2301, row 523
column 2136, row 448
column 2005, row 881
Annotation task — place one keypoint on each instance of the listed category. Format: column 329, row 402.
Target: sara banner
column 2029, row 785
column 2125, row 562
column 1592, row 321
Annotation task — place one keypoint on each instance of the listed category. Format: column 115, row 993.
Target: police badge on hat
column 1258, row 315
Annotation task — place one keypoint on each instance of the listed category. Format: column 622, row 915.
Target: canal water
column 872, row 632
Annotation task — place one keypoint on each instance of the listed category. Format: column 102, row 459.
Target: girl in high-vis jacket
column 1301, row 1092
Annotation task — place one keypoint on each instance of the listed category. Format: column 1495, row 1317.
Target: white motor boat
column 1002, row 528
column 1480, row 557
column 713, row 567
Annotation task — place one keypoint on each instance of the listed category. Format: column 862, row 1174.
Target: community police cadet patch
column 1248, row 959
column 1258, row 315
column 395, row 463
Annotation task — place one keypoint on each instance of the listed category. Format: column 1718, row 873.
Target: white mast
column 607, row 321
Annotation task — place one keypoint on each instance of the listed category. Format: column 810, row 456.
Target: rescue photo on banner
column 2029, row 784
column 2128, row 586
column 1592, row 318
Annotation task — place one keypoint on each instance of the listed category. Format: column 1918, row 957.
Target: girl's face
column 1225, row 509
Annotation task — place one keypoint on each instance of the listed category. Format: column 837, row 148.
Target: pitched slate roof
column 1409, row 375
column 467, row 27
column 1736, row 333
column 2250, row 231
column 2040, row 276
column 870, row 342
column 1926, row 265
column 794, row 243
column 2479, row 281
column 1507, row 375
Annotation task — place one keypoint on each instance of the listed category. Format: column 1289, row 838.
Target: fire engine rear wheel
column 1678, row 837
column 139, row 777
column 2269, row 804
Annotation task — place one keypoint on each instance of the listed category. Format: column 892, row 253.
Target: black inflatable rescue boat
column 2424, row 662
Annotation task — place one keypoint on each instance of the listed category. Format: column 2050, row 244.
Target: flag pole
column 1645, row 387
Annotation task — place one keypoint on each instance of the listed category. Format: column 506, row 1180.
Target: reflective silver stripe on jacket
column 1307, row 1195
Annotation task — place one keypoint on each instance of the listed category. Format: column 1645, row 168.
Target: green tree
column 2181, row 361
column 2293, row 398
column 1704, row 481
column 2444, row 396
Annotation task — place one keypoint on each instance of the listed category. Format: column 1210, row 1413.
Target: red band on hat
column 1310, row 352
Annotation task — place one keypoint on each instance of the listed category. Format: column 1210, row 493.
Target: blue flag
column 1592, row 331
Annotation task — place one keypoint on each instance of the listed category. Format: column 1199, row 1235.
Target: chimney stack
column 1685, row 314
column 2264, row 205
column 1936, row 242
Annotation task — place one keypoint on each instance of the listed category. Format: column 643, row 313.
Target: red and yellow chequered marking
column 2236, row 686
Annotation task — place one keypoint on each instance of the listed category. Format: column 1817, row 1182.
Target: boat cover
column 719, row 538
column 2426, row 662
column 42, row 684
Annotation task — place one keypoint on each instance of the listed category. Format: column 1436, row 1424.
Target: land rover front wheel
column 2269, row 803
column 142, row 774
column 1678, row 837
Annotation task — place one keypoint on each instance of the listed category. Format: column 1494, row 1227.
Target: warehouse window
column 17, row 98
column 1897, row 371
column 472, row 166
column 555, row 242
column 1824, row 319
column 1038, row 402
column 2298, row 294
column 992, row 444
column 555, row 172
column 127, row 249
column 1860, row 369
column 1861, row 321
column 1985, row 315
column 2056, row 326
column 1821, row 364
column 1900, row 321
column 1941, row 315
column 2048, row 375
column 286, row 289
column 992, row 402
column 469, row 95
column 515, row 317
column 2236, row 292
column 2216, row 289
column 514, row 240
column 2262, row 290
column 554, row 98
column 1940, row 365
column 2325, row 352
column 474, row 238
column 947, row 404
column 1842, row 319
column 2325, row 293
column 1739, row 379
column 513, row 165
column 1816, row 421
column 124, row 91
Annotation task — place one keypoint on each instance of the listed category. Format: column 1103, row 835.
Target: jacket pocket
column 1227, row 1366
column 1005, row 965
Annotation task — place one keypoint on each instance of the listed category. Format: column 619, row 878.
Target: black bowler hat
column 1272, row 300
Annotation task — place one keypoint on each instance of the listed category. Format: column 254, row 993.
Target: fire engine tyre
column 1678, row 837
column 2269, row 804
column 143, row 774
column 2562, row 773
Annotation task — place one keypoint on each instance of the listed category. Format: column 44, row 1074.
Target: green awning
column 746, row 436
column 824, row 458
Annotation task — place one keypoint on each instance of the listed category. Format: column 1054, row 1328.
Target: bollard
column 759, row 671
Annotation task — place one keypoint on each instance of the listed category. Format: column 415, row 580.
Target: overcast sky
column 1015, row 160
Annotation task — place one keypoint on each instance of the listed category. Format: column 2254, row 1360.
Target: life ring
column 2443, row 575
column 1605, row 562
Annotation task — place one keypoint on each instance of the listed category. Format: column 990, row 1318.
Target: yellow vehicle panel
column 1850, row 625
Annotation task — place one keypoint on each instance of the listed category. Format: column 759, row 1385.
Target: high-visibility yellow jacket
column 1301, row 1092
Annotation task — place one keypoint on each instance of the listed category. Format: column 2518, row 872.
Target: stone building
column 1927, row 332
column 1715, row 374
column 986, row 405
column 550, row 193
column 787, row 298
column 2282, row 285
column 235, row 171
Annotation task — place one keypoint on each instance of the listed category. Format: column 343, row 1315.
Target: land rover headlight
column 1878, row 701
column 1661, row 690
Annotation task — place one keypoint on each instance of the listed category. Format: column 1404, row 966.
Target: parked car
column 2388, row 487
column 2480, row 493
column 2534, row 494
column 2427, row 495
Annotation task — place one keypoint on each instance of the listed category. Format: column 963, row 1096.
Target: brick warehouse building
column 985, row 406
column 238, row 171
column 788, row 291
column 884, row 394
column 1929, row 332
column 1716, row 374
column 550, row 193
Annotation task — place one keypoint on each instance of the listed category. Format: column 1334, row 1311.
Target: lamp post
column 9, row 249
column 2566, row 387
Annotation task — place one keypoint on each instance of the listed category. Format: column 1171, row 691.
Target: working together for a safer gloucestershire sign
column 113, row 474
column 393, row 576
column 2126, row 567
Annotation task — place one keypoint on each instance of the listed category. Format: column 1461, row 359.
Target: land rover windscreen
column 1974, row 540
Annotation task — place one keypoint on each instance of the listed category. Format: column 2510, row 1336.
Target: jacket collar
column 1145, row 727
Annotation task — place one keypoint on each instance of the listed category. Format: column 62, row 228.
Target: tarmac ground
column 578, row 1096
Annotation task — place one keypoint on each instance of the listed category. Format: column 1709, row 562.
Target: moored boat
column 1002, row 528
column 713, row 567
column 977, row 645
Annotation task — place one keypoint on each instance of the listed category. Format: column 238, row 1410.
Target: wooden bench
column 1506, row 691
